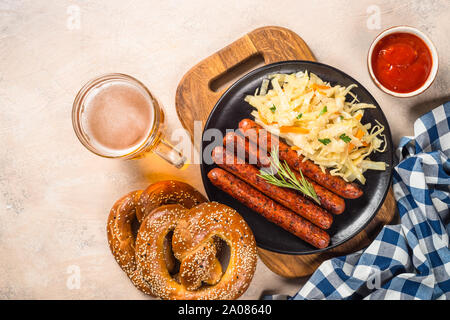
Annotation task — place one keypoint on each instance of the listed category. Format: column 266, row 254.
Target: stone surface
column 55, row 195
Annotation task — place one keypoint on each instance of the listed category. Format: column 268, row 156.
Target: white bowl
column 434, row 56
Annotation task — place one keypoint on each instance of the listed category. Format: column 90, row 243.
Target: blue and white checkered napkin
column 410, row 260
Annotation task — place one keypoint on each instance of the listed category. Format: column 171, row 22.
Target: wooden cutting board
column 203, row 85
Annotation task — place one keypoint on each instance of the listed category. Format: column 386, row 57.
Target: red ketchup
column 401, row 62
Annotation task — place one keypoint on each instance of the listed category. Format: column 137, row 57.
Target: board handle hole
column 230, row 76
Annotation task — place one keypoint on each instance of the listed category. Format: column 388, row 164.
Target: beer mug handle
column 168, row 152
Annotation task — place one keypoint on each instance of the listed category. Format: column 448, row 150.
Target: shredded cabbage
column 317, row 121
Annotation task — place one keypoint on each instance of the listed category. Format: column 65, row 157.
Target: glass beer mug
column 116, row 116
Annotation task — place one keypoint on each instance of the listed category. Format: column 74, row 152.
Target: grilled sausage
column 241, row 147
column 268, row 208
column 328, row 200
column 288, row 198
column 311, row 170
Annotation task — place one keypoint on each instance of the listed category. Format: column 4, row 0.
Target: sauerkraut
column 316, row 120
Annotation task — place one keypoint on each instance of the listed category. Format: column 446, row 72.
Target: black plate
column 231, row 108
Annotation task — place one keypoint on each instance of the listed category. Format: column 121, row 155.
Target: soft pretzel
column 125, row 213
column 193, row 234
column 121, row 239
column 167, row 192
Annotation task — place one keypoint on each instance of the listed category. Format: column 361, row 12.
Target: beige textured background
column 55, row 195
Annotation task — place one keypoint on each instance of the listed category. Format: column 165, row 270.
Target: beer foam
column 117, row 117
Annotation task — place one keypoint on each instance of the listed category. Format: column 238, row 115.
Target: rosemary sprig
column 282, row 176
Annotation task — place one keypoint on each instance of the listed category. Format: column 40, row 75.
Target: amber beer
column 116, row 116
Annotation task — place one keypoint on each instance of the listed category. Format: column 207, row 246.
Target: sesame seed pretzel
column 130, row 209
column 167, row 192
column 192, row 244
column 121, row 239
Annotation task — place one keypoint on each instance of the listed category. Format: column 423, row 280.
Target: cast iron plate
column 231, row 108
